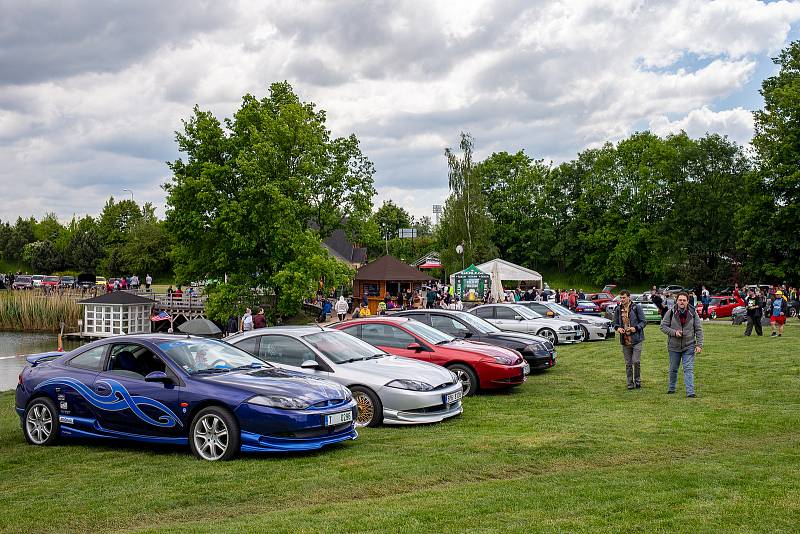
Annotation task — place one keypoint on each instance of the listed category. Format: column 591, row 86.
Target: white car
column 593, row 327
column 518, row 318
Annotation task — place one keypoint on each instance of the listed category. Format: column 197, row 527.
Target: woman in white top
column 247, row 320
column 341, row 308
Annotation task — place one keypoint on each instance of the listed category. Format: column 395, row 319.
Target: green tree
column 253, row 199
column 147, row 249
column 21, row 234
column 770, row 218
column 423, row 226
column 390, row 218
column 465, row 219
column 42, row 256
column 85, row 249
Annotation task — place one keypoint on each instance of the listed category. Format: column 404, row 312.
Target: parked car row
column 36, row 281
column 281, row 388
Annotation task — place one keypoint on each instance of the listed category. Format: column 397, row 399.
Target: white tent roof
column 509, row 271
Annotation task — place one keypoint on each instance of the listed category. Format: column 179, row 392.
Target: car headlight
column 505, row 360
column 278, row 401
column 413, row 385
column 537, row 348
column 566, row 328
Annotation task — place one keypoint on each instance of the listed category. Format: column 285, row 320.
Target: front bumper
column 573, row 336
column 267, row 429
column 407, row 407
column 494, row 375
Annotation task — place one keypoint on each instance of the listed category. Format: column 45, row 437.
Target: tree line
column 124, row 239
column 648, row 208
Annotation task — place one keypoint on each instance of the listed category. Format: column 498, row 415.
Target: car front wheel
column 467, row 377
column 370, row 408
column 214, row 434
column 41, row 422
column 549, row 335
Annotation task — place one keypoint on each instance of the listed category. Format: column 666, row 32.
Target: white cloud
column 87, row 108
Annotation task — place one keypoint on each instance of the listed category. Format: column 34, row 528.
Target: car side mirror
column 517, row 317
column 158, row 376
column 414, row 346
column 309, row 364
column 467, row 334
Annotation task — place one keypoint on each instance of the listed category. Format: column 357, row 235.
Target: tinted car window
column 448, row 325
column 505, row 313
column 486, row 313
column 385, row 335
column 249, row 345
column 284, row 350
column 91, row 360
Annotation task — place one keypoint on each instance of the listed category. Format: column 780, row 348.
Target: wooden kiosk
column 386, row 274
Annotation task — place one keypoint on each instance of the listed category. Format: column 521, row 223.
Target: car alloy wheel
column 585, row 333
column 370, row 409
column 214, row 434
column 465, row 375
column 549, row 335
column 39, row 423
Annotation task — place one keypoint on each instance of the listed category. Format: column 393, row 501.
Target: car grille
column 433, row 409
column 328, row 403
column 444, row 386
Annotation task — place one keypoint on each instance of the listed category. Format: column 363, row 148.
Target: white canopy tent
column 501, row 270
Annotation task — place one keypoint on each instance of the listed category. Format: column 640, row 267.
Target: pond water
column 14, row 346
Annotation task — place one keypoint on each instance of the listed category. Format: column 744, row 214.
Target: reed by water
column 33, row 311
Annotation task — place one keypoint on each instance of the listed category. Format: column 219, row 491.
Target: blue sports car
column 170, row 389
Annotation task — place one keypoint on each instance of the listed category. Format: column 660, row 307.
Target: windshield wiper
column 251, row 366
column 351, row 360
column 442, row 342
column 374, row 356
column 213, row 370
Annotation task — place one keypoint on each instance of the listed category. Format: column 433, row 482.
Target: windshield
column 481, row 325
column 340, row 347
column 714, row 302
column 560, row 310
column 208, row 355
column 526, row 313
column 428, row 333
column 51, row 279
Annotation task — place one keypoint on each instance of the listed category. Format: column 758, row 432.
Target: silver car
column 518, row 318
column 388, row 389
column 594, row 328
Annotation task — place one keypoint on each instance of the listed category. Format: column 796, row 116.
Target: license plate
column 455, row 396
column 526, row 370
column 338, row 418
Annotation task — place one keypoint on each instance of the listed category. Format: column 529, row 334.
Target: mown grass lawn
column 571, row 450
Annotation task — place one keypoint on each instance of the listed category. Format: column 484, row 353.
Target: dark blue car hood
column 274, row 381
column 525, row 339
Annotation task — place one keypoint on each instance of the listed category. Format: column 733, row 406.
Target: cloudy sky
column 91, row 93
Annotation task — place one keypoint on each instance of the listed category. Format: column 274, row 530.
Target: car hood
column 275, row 381
column 484, row 349
column 526, row 339
column 397, row 367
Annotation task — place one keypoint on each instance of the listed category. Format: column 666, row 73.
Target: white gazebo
column 116, row 313
column 505, row 270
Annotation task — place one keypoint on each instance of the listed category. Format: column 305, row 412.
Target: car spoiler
column 36, row 359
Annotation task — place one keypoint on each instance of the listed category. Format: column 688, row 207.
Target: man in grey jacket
column 629, row 323
column 684, row 339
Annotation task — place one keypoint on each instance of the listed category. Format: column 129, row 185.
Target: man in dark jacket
column 684, row 339
column 629, row 323
column 754, row 305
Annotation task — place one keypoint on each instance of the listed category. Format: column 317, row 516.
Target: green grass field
column 571, row 450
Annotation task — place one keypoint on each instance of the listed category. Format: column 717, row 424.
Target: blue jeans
column 675, row 359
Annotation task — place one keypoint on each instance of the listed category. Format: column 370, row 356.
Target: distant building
column 112, row 314
column 343, row 250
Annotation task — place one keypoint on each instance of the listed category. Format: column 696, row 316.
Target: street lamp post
column 460, row 250
column 131, row 192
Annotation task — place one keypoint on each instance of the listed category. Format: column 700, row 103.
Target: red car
column 601, row 299
column 477, row 365
column 721, row 306
column 51, row 282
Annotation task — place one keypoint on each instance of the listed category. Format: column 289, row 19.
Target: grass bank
column 571, row 450
column 32, row 311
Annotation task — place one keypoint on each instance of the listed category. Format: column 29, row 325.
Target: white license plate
column 455, row 396
column 338, row 418
column 526, row 370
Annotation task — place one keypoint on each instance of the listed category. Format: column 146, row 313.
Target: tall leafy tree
column 390, row 218
column 465, row 220
column 773, row 211
column 255, row 195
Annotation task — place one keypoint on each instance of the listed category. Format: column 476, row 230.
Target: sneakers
column 638, row 386
column 773, row 334
column 630, row 387
column 670, row 392
column 691, row 396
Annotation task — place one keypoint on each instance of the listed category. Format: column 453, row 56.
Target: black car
column 537, row 351
column 67, row 282
column 86, row 281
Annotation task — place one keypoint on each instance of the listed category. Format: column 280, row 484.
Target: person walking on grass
column 341, row 308
column 247, row 320
column 754, row 305
column 684, row 331
column 629, row 323
column 705, row 299
column 780, row 310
